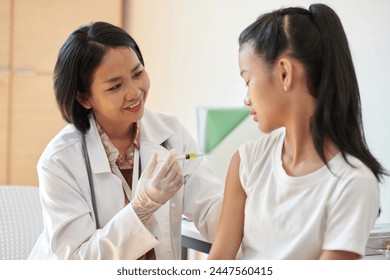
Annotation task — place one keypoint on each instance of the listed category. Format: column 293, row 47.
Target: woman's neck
column 121, row 136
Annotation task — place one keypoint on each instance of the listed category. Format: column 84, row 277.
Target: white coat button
column 173, row 205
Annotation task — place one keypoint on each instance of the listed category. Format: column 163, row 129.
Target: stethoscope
column 88, row 166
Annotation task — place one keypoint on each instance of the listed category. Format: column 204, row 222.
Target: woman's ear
column 285, row 67
column 83, row 100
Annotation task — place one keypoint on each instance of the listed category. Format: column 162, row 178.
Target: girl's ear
column 286, row 71
column 81, row 98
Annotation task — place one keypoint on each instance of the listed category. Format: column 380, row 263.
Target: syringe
column 188, row 156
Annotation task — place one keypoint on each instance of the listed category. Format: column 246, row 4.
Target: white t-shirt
column 296, row 217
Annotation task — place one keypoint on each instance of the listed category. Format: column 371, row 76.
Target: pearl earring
column 286, row 88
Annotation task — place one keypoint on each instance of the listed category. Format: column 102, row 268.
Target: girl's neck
column 299, row 156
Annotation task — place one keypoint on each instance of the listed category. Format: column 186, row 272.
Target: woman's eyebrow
column 111, row 80
column 115, row 79
column 136, row 67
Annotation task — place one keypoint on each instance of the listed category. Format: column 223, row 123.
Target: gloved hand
column 154, row 188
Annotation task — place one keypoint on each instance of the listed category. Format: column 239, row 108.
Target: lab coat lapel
column 154, row 132
column 108, row 187
column 96, row 152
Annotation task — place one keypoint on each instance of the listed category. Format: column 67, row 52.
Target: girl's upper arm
column 338, row 255
column 230, row 227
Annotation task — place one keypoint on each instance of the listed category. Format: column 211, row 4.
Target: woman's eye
column 138, row 74
column 247, row 84
column 115, row 87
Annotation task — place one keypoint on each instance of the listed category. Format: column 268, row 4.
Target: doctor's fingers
column 168, row 166
column 167, row 173
column 165, row 177
column 151, row 166
column 174, row 171
column 172, row 185
column 178, row 181
column 175, row 177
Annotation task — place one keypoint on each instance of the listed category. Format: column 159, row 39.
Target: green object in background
column 219, row 123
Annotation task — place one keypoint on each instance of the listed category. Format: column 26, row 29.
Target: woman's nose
column 132, row 92
column 247, row 100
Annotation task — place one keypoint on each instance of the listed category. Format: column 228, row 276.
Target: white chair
column 20, row 221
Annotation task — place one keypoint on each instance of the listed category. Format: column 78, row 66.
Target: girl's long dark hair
column 317, row 39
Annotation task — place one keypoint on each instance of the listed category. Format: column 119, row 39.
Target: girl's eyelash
column 246, row 84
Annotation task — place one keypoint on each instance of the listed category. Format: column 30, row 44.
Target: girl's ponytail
column 338, row 112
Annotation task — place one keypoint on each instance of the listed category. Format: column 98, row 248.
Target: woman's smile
column 135, row 107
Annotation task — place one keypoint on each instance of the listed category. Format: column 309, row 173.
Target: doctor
column 131, row 203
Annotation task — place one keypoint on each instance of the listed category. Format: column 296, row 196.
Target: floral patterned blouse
column 121, row 166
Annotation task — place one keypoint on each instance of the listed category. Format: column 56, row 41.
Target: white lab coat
column 70, row 228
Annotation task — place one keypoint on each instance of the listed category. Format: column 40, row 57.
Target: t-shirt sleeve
column 352, row 214
column 253, row 152
column 246, row 159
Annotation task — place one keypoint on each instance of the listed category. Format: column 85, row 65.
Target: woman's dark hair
column 77, row 62
column 317, row 39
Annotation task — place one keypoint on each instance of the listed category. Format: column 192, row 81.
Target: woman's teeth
column 135, row 105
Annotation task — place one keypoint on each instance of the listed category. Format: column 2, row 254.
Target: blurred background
column 191, row 52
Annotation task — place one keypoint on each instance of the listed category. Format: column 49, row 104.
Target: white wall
column 190, row 49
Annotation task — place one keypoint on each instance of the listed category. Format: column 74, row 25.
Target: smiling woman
column 117, row 96
column 103, row 192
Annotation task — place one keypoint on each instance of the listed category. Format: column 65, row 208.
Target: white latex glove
column 154, row 188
